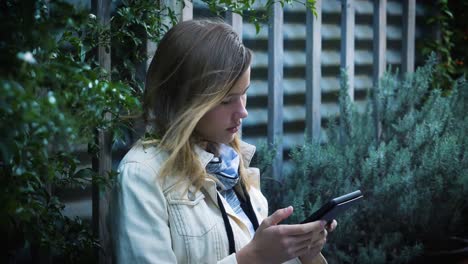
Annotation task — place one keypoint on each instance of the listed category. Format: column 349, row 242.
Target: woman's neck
column 211, row 147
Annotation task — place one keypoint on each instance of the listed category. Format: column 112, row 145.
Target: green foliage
column 460, row 36
column 412, row 171
column 451, row 30
column 132, row 25
column 251, row 11
column 54, row 99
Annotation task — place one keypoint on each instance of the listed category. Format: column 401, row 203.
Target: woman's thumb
column 278, row 216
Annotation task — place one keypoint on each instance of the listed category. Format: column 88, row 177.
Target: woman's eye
column 227, row 101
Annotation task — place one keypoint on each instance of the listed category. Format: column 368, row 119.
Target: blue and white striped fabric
column 226, row 169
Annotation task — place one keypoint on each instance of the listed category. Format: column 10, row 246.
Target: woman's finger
column 330, row 227
column 278, row 216
column 312, row 239
column 301, row 229
column 309, row 250
column 311, row 236
column 319, row 240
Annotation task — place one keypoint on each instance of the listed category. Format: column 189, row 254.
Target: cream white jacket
column 154, row 222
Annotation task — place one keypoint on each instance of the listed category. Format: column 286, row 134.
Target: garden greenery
column 55, row 97
column 447, row 40
column 410, row 164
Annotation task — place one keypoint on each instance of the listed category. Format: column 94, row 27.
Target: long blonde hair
column 195, row 66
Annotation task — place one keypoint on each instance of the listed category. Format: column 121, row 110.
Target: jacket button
column 191, row 196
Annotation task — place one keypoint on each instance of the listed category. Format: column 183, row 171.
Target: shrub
column 407, row 152
column 53, row 100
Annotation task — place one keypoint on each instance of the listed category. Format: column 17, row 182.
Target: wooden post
column 101, row 8
column 409, row 28
column 187, row 10
column 379, row 48
column 380, row 39
column 275, row 86
column 235, row 20
column 183, row 9
column 313, row 72
column 347, row 42
column 150, row 51
column 103, row 163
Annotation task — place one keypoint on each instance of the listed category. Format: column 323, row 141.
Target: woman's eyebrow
column 245, row 90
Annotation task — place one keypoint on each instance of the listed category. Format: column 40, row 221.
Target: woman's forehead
column 242, row 84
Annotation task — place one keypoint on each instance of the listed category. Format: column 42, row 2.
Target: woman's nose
column 244, row 113
column 241, row 111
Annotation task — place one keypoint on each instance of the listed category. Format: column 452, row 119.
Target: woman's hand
column 274, row 243
column 316, row 245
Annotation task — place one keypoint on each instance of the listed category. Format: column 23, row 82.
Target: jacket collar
column 247, row 151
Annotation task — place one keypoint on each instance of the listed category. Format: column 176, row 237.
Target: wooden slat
column 379, row 48
column 101, row 197
column 164, row 5
column 347, row 42
column 235, row 20
column 313, row 72
column 103, row 163
column 150, row 50
column 183, row 10
column 409, row 28
column 187, row 10
column 275, row 87
column 102, row 10
column 380, row 39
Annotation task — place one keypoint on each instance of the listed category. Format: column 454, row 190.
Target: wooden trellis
column 275, row 77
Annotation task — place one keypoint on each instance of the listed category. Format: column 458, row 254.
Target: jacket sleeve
column 139, row 217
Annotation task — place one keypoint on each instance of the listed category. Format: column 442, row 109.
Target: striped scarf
column 225, row 168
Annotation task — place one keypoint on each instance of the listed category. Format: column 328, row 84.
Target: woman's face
column 221, row 123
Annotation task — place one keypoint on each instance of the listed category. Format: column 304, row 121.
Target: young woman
column 188, row 195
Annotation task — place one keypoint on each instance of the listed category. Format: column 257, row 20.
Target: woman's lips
column 233, row 129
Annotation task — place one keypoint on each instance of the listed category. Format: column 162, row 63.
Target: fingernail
column 323, row 223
